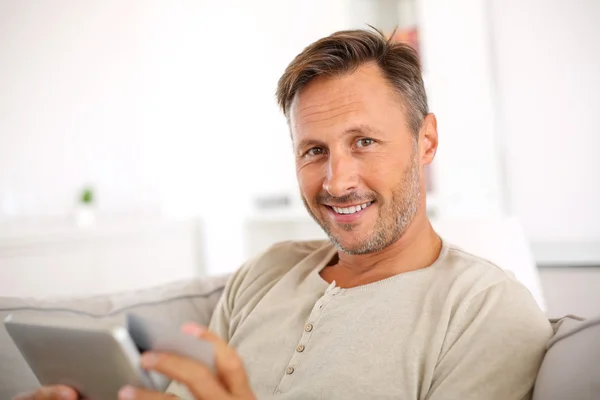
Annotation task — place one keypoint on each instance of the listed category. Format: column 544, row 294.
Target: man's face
column 357, row 161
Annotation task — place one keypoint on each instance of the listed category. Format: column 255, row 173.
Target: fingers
column 197, row 377
column 230, row 366
column 131, row 393
column 58, row 392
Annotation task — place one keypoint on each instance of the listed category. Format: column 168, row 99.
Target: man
column 385, row 309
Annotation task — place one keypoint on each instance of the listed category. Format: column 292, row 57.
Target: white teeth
column 351, row 209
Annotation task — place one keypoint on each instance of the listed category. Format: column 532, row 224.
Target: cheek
column 308, row 182
column 382, row 174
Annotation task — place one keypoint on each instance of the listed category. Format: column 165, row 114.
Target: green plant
column 87, row 196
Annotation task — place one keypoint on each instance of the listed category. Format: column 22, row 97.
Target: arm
column 494, row 349
column 219, row 324
column 242, row 292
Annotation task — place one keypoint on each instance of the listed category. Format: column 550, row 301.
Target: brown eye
column 315, row 151
column 364, row 142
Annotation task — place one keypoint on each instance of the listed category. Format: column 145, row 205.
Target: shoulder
column 481, row 289
column 261, row 272
column 293, row 250
column 472, row 275
column 281, row 257
column 487, row 314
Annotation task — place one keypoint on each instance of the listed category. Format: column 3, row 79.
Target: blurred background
column 140, row 141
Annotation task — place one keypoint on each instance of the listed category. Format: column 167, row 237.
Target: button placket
column 327, row 297
column 309, row 329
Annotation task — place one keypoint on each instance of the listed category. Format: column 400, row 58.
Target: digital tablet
column 95, row 357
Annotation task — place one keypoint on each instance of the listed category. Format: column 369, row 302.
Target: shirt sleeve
column 219, row 324
column 495, row 348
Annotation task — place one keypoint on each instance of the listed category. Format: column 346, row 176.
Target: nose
column 342, row 175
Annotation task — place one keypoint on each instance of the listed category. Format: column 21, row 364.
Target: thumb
column 230, row 366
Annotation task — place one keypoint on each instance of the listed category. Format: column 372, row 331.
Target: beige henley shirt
column 461, row 329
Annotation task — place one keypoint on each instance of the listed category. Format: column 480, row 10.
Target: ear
column 428, row 139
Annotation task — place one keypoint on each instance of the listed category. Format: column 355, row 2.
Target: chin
column 354, row 250
column 352, row 247
column 371, row 242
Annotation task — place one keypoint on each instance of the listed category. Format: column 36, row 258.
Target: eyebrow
column 361, row 129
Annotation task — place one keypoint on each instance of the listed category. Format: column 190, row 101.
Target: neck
column 418, row 248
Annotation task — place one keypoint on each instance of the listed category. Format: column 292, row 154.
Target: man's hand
column 229, row 383
column 50, row 393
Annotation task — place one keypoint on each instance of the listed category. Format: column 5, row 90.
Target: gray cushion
column 571, row 367
column 173, row 303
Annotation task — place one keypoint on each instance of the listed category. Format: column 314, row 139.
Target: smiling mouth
column 350, row 209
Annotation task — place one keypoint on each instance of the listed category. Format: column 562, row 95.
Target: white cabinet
column 58, row 259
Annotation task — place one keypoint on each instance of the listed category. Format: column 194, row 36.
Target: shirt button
column 308, row 328
column 289, row 370
column 300, row 348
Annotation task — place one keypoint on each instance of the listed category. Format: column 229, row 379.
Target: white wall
column 547, row 60
column 458, row 74
column 142, row 98
column 160, row 105
column 70, row 105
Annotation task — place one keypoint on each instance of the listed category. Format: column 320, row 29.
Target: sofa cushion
column 173, row 303
column 571, row 367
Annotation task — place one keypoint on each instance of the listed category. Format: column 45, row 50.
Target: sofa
column 570, row 370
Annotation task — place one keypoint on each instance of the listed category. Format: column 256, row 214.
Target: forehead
column 361, row 97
